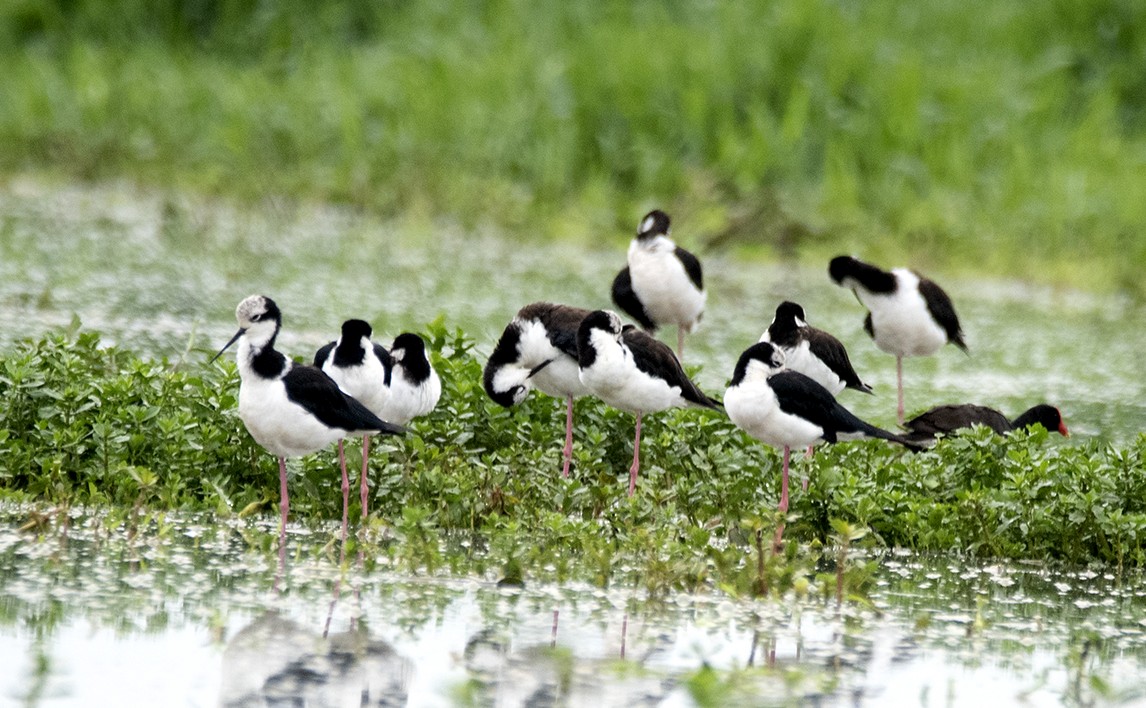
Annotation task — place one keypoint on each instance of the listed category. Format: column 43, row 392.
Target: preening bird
column 663, row 284
column 538, row 349
column 633, row 371
column 908, row 315
column 812, row 352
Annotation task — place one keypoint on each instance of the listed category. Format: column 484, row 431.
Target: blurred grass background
column 1003, row 138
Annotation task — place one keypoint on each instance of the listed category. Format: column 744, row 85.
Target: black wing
column 628, row 301
column 386, row 359
column 943, row 310
column 323, row 354
column 831, row 351
column 318, row 393
column 946, row 419
column 560, row 322
column 691, row 266
column 801, row 396
column 656, row 358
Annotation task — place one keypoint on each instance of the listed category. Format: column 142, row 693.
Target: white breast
column 281, row 426
column 615, row 379
column 408, row 400
column 560, row 378
column 752, row 407
column 365, row 382
column 662, row 284
column 901, row 321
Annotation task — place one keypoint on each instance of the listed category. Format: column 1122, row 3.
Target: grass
column 989, row 137
column 91, row 425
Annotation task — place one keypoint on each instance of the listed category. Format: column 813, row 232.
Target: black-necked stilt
column 943, row 420
column 787, row 409
column 663, row 284
column 361, row 368
column 288, row 408
column 908, row 315
column 538, row 349
column 633, row 371
column 414, row 385
column 812, row 352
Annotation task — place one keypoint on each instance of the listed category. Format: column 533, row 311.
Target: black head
column 790, row 312
column 605, row 320
column 410, row 343
column 355, row 330
column 656, row 223
column 763, row 352
column 409, row 352
column 1046, row 415
column 866, row 275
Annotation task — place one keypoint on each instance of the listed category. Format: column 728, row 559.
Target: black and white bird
column 538, row 349
column 361, row 368
column 663, row 284
column 633, row 371
column 812, row 352
column 787, row 409
column 288, row 408
column 415, row 387
column 908, row 315
column 944, row 420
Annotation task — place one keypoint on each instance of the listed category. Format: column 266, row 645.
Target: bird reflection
column 275, row 661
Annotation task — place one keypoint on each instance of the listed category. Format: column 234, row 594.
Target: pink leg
column 899, row 380
column 553, row 637
column 783, row 499
column 284, row 506
column 636, row 458
column 345, row 489
column 365, row 468
column 567, row 453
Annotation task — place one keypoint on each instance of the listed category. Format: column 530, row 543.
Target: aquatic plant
column 86, row 424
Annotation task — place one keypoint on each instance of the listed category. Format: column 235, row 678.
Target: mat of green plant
column 996, row 137
column 85, row 424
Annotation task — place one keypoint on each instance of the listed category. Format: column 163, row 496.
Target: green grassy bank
column 91, row 425
column 999, row 137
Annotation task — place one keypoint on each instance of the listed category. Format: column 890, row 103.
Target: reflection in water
column 113, row 619
column 276, row 661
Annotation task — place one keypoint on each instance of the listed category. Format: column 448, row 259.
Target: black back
column 312, row 389
column 560, row 323
column 942, row 310
column 800, row 396
column 942, row 420
column 655, row 358
column 691, row 266
column 626, row 299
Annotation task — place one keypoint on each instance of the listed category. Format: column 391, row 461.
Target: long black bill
column 539, row 367
column 228, row 344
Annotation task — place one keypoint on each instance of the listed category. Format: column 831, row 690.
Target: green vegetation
column 84, row 424
column 1004, row 137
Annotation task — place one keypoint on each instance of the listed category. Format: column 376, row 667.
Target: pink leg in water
column 345, row 490
column 284, row 506
column 567, row 453
column 636, row 458
column 899, row 380
column 365, row 469
column 783, row 499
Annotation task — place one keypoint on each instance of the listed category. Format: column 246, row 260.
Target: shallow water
column 161, row 274
column 186, row 613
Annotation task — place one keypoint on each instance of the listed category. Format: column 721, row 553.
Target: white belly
column 664, row 288
column 367, row 382
column 281, row 426
column 408, row 401
column 801, row 359
column 560, row 378
column 615, row 379
column 753, row 408
column 901, row 322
